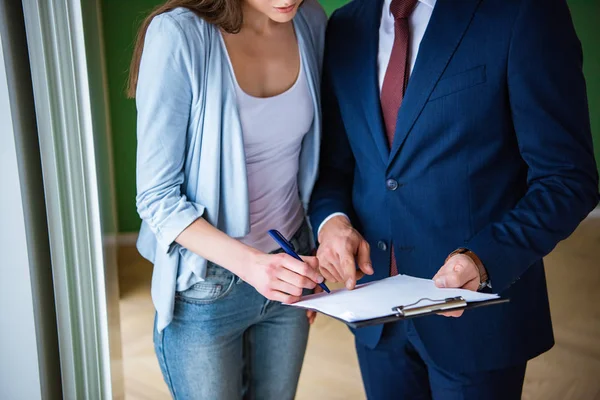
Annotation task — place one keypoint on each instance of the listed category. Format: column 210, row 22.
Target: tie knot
column 401, row 9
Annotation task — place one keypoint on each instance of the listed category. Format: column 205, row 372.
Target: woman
column 228, row 142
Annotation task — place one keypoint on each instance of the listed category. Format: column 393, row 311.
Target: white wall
column 19, row 364
column 29, row 364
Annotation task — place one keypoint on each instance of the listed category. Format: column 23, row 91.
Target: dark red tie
column 396, row 78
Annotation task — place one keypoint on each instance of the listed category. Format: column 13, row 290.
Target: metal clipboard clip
column 439, row 305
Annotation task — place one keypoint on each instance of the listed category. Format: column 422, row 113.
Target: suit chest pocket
column 459, row 82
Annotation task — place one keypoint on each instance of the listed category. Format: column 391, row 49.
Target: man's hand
column 458, row 272
column 342, row 247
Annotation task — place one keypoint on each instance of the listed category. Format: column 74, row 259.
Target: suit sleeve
column 333, row 190
column 550, row 115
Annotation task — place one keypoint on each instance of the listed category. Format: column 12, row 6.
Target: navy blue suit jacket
column 492, row 151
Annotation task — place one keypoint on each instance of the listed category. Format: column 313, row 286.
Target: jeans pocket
column 218, row 283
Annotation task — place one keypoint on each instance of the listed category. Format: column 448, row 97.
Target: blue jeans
column 227, row 341
column 400, row 368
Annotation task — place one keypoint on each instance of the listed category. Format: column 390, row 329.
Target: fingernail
column 320, row 279
column 369, row 267
column 440, row 282
column 349, row 284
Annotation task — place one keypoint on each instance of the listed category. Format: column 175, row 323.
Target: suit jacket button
column 391, row 184
column 381, row 245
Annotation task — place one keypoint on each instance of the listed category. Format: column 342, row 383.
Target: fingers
column 294, row 279
column 445, row 269
column 458, row 272
column 287, row 288
column 341, row 248
column 364, row 258
column 466, row 272
column 348, row 267
column 452, row 314
column 281, row 297
column 301, row 268
column 327, row 259
column 449, row 280
column 345, row 272
column 328, row 275
column 312, row 262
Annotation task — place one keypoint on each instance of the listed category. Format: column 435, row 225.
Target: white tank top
column 273, row 130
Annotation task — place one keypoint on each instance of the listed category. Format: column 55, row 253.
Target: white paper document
column 377, row 299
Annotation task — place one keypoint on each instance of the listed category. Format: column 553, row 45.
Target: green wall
column 122, row 18
column 585, row 17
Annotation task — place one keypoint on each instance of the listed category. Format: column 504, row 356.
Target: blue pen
column 289, row 249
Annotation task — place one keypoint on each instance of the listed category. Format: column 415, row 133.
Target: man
column 457, row 147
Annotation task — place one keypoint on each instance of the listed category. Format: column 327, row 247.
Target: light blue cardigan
column 190, row 157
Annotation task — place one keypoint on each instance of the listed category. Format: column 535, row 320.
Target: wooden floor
column 571, row 370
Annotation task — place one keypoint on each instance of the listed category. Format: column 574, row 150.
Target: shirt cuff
column 328, row 218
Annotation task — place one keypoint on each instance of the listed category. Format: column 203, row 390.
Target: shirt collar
column 430, row 3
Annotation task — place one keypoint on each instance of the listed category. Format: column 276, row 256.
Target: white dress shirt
column 418, row 20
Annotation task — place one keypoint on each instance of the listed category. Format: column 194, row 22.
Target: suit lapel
column 446, row 29
column 365, row 52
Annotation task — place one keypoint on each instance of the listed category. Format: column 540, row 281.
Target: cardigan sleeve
column 164, row 99
column 317, row 22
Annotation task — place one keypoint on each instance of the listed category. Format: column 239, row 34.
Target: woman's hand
column 280, row 277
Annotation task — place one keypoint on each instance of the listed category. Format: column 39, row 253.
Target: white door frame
column 65, row 50
column 29, row 361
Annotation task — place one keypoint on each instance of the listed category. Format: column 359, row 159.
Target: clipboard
column 400, row 313
column 392, row 299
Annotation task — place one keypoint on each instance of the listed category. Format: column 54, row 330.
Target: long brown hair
column 226, row 14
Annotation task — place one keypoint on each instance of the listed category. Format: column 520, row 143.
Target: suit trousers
column 399, row 368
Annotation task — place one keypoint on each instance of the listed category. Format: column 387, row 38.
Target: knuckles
column 325, row 253
column 305, row 269
column 279, row 258
column 271, row 271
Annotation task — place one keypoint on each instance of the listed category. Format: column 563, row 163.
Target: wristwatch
column 484, row 281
